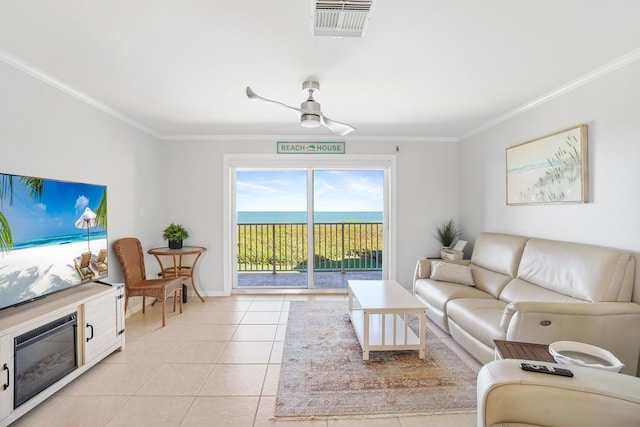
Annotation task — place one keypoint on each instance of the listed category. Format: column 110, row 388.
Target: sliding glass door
column 347, row 226
column 271, row 232
column 308, row 228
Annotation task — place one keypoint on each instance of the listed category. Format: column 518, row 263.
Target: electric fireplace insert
column 43, row 356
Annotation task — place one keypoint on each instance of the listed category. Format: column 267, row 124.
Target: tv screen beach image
column 53, row 235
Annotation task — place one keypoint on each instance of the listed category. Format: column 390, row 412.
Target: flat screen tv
column 53, row 236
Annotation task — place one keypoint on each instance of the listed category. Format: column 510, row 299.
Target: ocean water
column 59, row 240
column 293, row 217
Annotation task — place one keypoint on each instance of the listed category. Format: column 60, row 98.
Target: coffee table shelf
column 379, row 312
column 393, row 336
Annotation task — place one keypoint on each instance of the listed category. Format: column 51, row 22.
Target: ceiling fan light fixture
column 310, row 120
column 310, row 113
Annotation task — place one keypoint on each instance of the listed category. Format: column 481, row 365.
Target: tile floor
column 217, row 364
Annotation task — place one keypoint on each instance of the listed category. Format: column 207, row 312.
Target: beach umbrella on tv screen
column 86, row 220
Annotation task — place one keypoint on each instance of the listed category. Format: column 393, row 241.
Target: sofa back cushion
column 585, row 272
column 489, row 281
column 519, row 290
column 495, row 260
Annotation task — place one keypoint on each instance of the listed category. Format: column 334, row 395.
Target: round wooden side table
column 179, row 263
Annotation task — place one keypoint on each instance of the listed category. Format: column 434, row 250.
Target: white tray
column 581, row 354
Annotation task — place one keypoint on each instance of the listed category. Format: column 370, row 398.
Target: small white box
column 451, row 254
column 455, row 253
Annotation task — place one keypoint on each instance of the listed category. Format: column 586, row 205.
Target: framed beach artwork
column 549, row 170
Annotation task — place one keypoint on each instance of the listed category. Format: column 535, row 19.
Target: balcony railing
column 343, row 246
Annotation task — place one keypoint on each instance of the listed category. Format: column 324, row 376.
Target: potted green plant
column 446, row 233
column 175, row 234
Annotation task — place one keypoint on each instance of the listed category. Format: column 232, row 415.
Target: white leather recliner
column 509, row 396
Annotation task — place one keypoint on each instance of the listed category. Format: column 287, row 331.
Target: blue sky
column 54, row 214
column 334, row 190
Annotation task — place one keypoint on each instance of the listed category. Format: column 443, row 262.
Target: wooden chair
column 100, row 261
column 82, row 265
column 129, row 253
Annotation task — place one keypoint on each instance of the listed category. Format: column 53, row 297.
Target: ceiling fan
column 310, row 114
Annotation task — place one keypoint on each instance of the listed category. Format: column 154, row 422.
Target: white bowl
column 580, row 354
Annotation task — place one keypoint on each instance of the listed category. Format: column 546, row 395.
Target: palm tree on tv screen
column 101, row 211
column 33, row 187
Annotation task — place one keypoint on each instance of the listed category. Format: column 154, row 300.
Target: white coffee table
column 378, row 310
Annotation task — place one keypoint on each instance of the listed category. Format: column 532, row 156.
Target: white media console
column 97, row 311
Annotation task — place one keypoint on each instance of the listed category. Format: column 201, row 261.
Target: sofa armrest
column 593, row 397
column 609, row 325
column 422, row 270
column 416, row 274
column 567, row 309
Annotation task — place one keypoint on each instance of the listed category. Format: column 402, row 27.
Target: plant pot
column 175, row 244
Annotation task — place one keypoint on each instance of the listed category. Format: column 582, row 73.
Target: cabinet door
column 100, row 325
column 6, row 375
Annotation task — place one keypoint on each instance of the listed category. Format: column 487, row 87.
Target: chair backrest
column 102, row 255
column 129, row 253
column 84, row 259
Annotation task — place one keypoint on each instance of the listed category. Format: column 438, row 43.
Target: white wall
column 47, row 133
column 610, row 106
column 422, row 200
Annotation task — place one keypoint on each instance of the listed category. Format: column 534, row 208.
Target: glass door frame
column 233, row 162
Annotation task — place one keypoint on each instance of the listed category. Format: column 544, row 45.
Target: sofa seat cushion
column 437, row 293
column 478, row 317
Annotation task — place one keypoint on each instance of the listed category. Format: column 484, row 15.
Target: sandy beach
column 30, row 272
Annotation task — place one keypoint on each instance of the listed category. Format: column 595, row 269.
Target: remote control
column 546, row 369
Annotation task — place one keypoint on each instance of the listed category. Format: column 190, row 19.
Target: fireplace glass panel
column 44, row 356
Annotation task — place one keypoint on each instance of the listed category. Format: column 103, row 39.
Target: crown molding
column 33, row 71
column 307, row 138
column 604, row 70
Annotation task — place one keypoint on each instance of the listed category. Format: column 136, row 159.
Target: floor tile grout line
column 260, row 398
column 261, row 415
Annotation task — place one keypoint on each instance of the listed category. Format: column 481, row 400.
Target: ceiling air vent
column 341, row 18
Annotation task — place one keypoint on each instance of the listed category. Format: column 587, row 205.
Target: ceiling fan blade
column 336, row 127
column 253, row 96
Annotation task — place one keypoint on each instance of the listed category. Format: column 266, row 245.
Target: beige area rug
column 323, row 374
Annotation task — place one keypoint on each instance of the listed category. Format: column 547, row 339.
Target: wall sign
column 285, row 147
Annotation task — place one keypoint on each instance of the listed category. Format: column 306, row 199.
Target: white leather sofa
column 509, row 396
column 535, row 290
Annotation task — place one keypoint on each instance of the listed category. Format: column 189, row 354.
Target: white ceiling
column 424, row 69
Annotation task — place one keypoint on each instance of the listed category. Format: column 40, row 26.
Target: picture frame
column 552, row 169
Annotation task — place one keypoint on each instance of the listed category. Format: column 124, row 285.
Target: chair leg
column 180, row 303
column 126, row 303
column 164, row 309
column 144, row 303
column 175, row 295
